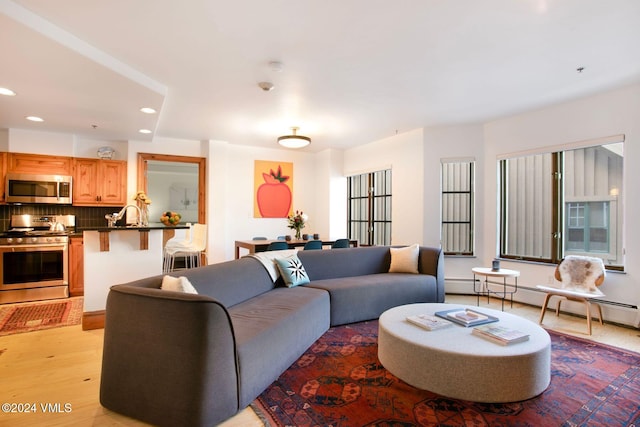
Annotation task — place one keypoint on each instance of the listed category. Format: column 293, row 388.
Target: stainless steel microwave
column 35, row 188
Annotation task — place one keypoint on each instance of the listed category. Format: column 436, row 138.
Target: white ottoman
column 454, row 363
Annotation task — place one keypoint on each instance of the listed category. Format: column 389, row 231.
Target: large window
column 457, row 184
column 563, row 203
column 369, row 208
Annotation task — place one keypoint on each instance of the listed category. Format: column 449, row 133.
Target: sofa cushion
column 332, row 264
column 404, row 260
column 355, row 299
column 292, row 271
column 177, row 284
column 231, row 282
column 272, row 331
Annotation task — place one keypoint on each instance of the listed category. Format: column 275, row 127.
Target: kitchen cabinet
column 76, row 266
column 38, row 164
column 3, row 173
column 98, row 182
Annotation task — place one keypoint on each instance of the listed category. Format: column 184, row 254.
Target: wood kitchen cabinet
column 98, row 182
column 76, row 266
column 3, row 173
column 38, row 164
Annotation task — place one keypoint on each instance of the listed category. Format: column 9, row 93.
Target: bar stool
column 192, row 250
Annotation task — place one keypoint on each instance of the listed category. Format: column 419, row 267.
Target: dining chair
column 280, row 245
column 340, row 243
column 313, row 244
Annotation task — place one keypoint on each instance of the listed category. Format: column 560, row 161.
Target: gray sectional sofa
column 180, row 359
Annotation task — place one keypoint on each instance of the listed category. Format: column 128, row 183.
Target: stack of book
column 466, row 317
column 500, row 334
column 428, row 321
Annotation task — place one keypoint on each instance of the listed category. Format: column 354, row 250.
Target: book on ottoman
column 466, row 317
column 428, row 321
column 500, row 334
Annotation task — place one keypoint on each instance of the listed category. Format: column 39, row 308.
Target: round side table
column 489, row 276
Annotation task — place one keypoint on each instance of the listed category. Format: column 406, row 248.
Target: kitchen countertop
column 151, row 226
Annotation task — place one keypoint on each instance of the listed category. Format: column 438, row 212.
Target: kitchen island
column 114, row 255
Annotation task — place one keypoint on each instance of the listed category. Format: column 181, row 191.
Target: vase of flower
column 143, row 203
column 297, row 222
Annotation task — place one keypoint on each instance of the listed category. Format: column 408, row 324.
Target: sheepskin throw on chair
column 581, row 273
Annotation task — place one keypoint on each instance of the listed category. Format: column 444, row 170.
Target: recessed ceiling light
column 148, row 110
column 144, row 131
column 34, row 118
column 7, row 92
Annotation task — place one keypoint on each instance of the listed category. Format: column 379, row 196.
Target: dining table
column 254, row 246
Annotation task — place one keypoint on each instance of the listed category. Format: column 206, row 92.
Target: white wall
column 402, row 153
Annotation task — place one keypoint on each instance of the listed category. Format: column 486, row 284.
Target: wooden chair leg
column 588, row 305
column 544, row 307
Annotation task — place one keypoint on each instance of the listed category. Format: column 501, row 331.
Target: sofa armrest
column 169, row 358
column 431, row 261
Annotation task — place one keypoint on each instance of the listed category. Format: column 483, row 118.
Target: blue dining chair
column 280, row 245
column 313, row 244
column 340, row 243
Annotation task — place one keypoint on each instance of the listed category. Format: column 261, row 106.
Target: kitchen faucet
column 115, row 217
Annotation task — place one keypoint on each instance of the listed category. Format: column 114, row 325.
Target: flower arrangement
column 297, row 222
column 143, row 203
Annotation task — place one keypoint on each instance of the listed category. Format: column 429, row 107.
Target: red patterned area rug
column 340, row 382
column 27, row 317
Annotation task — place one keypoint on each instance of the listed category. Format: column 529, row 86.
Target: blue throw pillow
column 292, row 271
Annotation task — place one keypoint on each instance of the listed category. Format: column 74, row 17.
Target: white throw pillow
column 178, row 284
column 405, row 260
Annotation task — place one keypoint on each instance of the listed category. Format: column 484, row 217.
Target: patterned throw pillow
column 292, row 271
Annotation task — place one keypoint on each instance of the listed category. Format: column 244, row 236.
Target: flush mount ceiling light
column 144, row 131
column 7, row 91
column 294, row 140
column 148, row 110
column 34, row 119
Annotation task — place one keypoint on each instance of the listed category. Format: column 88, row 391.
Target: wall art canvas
column 273, row 189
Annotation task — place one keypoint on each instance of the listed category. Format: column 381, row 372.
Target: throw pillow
column 177, row 284
column 405, row 260
column 292, row 271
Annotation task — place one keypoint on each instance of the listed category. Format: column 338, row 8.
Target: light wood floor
column 62, row 366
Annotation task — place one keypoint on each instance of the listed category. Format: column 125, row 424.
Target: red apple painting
column 273, row 182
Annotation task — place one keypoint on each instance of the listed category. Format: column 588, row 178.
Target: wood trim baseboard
column 93, row 320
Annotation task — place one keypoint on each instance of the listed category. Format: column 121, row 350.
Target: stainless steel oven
column 34, row 264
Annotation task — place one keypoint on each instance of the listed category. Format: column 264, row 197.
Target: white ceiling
column 354, row 71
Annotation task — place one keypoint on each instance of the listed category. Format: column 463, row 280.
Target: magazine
column 466, row 317
column 500, row 334
column 428, row 321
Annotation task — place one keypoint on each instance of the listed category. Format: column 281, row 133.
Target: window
column 457, row 207
column 563, row 203
column 369, row 208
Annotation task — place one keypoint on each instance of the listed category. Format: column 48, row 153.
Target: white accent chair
column 579, row 277
column 192, row 248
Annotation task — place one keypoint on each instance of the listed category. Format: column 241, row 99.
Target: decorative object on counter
column 316, row 236
column 297, row 222
column 143, row 203
column 495, row 265
column 106, row 153
column 169, row 218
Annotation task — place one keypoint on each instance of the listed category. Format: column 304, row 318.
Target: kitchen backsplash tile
column 85, row 216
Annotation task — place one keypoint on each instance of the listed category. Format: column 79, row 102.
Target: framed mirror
column 174, row 183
